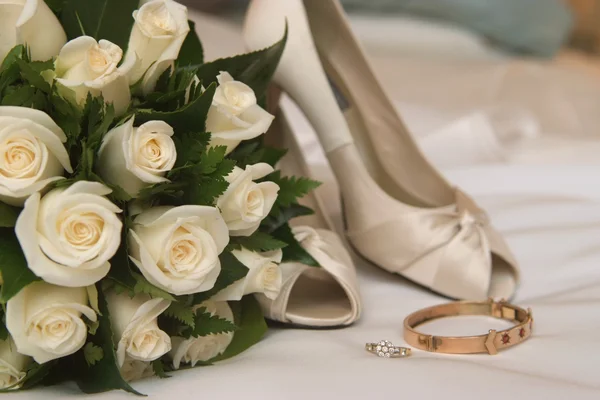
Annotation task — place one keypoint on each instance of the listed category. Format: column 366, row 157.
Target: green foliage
column 190, row 148
column 159, row 369
column 13, row 266
column 254, row 151
column 93, row 327
column 83, row 146
column 120, row 270
column 291, row 188
column 8, row 215
column 92, row 353
column 174, row 89
column 199, row 174
column 283, row 215
column 21, row 82
column 103, row 375
column 189, row 118
column 56, row 5
column 3, row 330
column 36, row 373
column 251, row 327
column 231, row 271
column 143, row 286
column 207, row 324
column 293, row 252
column 181, row 312
column 101, row 19
column 191, row 53
column 258, row 241
column 254, row 69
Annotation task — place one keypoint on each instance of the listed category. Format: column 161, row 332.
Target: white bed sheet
column 550, row 214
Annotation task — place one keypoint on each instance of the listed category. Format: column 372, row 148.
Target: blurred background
column 501, row 81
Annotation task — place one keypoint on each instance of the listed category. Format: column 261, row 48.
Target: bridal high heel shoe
column 400, row 212
column 310, row 296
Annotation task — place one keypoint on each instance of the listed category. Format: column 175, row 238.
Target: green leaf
column 67, row 115
column 206, row 324
column 291, row 188
column 143, row 286
column 159, row 369
column 211, row 159
column 293, row 252
column 232, row 270
column 104, row 374
column 8, row 215
column 93, row 327
column 253, row 152
column 56, row 5
column 189, row 118
column 92, row 353
column 101, row 19
column 251, row 327
column 272, row 155
column 20, row 96
column 181, row 312
column 201, row 170
column 190, row 146
column 174, row 89
column 204, row 191
column 162, row 191
column 259, row 241
column 120, row 270
column 254, row 69
column 97, row 116
column 3, row 331
column 283, row 215
column 16, row 53
column 13, row 266
column 32, row 75
column 191, row 52
column 36, row 374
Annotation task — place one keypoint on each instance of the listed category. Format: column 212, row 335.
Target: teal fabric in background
column 537, row 27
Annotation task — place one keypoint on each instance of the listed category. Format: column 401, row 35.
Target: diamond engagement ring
column 386, row 349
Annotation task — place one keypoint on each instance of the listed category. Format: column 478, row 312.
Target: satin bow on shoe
column 453, row 250
column 336, row 272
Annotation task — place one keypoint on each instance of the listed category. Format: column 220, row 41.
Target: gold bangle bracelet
column 490, row 343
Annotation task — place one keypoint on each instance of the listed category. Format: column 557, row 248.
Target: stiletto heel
column 310, row 296
column 401, row 214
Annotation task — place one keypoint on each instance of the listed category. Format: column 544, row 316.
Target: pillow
column 538, row 27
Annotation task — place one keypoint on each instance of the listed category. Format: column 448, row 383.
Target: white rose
column 157, row 35
column 134, row 158
column 86, row 66
column 45, row 320
column 12, row 364
column 203, row 348
column 31, row 153
column 246, row 203
column 234, row 115
column 135, row 328
column 177, row 248
column 133, row 370
column 30, row 22
column 69, row 235
column 264, row 276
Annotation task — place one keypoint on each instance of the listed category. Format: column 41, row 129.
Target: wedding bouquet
column 140, row 211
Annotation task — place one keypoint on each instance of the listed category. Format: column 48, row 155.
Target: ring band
column 386, row 349
column 490, row 343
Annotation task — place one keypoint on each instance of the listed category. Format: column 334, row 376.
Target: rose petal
column 45, row 43
column 73, row 53
column 39, row 263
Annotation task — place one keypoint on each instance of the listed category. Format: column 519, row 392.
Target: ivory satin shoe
column 312, row 296
column 400, row 213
